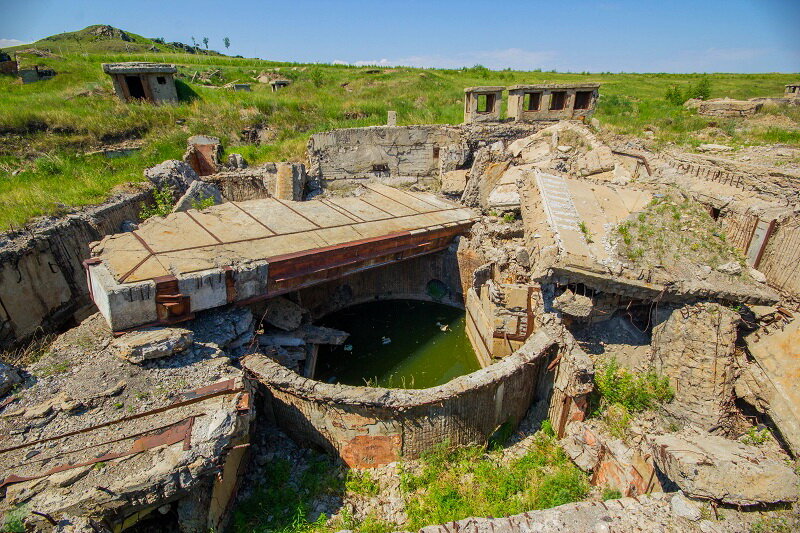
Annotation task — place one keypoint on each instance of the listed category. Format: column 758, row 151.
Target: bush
column 700, row 90
column 635, row 393
column 163, row 201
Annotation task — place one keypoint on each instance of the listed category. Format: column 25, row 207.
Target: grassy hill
column 104, row 39
column 47, row 128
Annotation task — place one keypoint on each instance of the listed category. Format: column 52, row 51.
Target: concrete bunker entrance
column 135, row 86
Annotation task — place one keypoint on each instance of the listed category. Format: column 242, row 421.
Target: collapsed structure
column 564, row 250
column 153, row 82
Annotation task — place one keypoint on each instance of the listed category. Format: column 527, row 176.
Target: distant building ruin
column 279, row 84
column 792, row 91
column 530, row 103
column 482, row 104
column 153, row 82
column 34, row 74
column 552, row 101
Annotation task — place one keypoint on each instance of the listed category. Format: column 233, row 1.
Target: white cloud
column 339, row 62
column 514, row 58
column 10, row 42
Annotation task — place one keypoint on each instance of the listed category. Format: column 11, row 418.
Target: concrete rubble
column 711, row 467
column 568, row 248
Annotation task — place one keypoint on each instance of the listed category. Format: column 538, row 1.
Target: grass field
column 46, row 127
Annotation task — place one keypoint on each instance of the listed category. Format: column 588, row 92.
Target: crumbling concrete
column 199, row 193
column 552, row 101
column 726, row 107
column 97, row 438
column 694, row 347
column 711, row 467
column 42, row 286
column 482, row 104
column 174, row 174
column 153, row 82
column 373, row 426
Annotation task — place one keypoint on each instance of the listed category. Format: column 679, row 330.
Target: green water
column 427, row 345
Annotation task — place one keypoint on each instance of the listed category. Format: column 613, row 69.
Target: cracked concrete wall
column 369, row 427
column 380, row 152
column 42, row 281
column 411, row 279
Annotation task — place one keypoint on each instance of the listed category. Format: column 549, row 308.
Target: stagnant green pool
column 397, row 343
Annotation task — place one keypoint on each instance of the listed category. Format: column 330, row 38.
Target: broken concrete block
column 573, row 304
column 174, row 174
column 9, row 376
column 226, row 327
column 685, row 508
column 710, row 467
column 283, row 314
column 733, row 268
column 321, row 335
column 454, row 182
column 695, row 347
column 198, row 194
column 595, row 161
column 152, row 343
column 236, row 161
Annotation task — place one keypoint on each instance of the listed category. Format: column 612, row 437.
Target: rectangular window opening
column 485, row 103
column 436, row 152
column 583, row 99
column 557, row 100
column 532, row 101
column 383, row 167
column 161, row 80
column 715, row 213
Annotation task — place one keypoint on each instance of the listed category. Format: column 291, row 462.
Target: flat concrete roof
column 266, row 246
column 540, row 86
column 139, row 67
column 485, row 89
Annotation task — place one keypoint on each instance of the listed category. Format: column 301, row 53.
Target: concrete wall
column 363, row 153
column 42, row 281
column 405, row 280
column 368, row 426
column 517, row 111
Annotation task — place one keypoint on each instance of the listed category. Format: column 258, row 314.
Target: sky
column 566, row 35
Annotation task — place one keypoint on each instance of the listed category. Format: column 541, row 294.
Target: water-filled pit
column 397, row 344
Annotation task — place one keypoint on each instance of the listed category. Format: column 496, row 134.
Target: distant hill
column 101, row 38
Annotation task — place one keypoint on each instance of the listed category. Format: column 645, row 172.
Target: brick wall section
column 369, row 427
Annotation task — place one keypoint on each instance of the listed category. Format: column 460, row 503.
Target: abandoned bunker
column 538, row 252
column 153, row 82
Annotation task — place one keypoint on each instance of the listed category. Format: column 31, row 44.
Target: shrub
column 756, row 437
column 635, row 393
column 361, row 483
column 163, row 200
column 611, row 494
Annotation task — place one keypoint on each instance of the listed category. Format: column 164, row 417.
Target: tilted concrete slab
column 172, row 267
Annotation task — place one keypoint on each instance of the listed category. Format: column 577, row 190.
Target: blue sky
column 623, row 35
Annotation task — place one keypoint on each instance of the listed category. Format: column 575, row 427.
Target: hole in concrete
column 135, row 87
column 532, row 101
column 398, row 344
column 557, row 100
column 485, row 103
column 583, row 99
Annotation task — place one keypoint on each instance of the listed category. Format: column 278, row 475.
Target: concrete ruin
column 152, row 82
column 171, row 268
column 552, row 101
column 482, row 104
column 276, row 85
column 792, row 91
column 563, row 247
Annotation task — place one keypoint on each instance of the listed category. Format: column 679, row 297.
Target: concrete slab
column 194, row 258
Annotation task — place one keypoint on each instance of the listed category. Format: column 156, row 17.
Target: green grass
column 46, row 127
column 451, row 483
column 672, row 230
column 635, row 392
column 456, row 483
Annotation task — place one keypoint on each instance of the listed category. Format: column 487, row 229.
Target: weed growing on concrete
column 617, row 385
column 674, row 230
column 52, row 370
column 585, row 230
column 361, row 483
column 774, row 524
column 756, row 437
column 454, row 483
column 14, row 520
column 163, row 201
column 611, row 494
column 203, row 203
